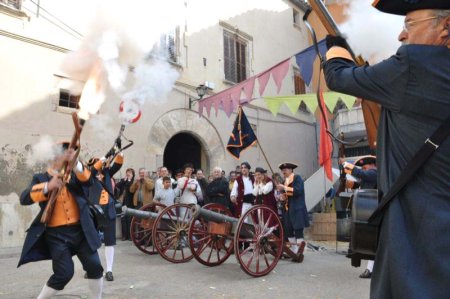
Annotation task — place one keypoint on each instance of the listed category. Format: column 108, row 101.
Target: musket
column 371, row 110
column 66, row 169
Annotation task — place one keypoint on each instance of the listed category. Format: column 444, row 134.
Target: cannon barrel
column 199, row 212
column 139, row 214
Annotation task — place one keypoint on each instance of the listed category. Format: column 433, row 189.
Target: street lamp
column 201, row 91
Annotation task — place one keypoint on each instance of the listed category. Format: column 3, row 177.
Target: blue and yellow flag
column 242, row 135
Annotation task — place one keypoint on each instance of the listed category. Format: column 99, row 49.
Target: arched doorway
column 182, row 148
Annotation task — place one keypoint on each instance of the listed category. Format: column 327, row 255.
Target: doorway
column 182, row 148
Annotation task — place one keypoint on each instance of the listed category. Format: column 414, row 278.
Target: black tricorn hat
column 402, row 7
column 366, row 160
column 287, row 165
column 260, row 170
column 92, row 161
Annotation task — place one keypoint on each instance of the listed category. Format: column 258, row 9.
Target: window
column 299, row 88
column 17, row 4
column 168, row 45
column 66, row 99
column 235, row 57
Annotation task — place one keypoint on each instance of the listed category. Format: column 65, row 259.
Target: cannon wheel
column 208, row 248
column 170, row 233
column 257, row 246
column 141, row 229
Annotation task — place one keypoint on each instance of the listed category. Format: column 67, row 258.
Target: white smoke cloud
column 371, row 33
column 43, row 151
column 122, row 35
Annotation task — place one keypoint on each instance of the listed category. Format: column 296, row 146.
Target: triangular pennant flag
column 292, row 103
column 305, row 60
column 200, row 109
column 331, row 100
column 248, row 89
column 235, row 94
column 310, row 101
column 273, row 104
column 263, row 79
column 227, row 105
column 216, row 103
column 348, row 100
column 279, row 72
column 207, row 106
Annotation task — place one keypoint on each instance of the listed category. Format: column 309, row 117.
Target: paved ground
column 323, row 274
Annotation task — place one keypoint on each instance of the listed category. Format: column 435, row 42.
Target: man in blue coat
column 69, row 231
column 295, row 211
column 101, row 192
column 413, row 88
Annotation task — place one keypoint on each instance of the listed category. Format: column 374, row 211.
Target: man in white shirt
column 242, row 192
column 188, row 189
column 164, row 172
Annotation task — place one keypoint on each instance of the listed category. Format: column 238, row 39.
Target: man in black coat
column 413, row 88
column 70, row 229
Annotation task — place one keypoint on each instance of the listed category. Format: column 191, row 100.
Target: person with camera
column 101, row 192
column 188, row 188
column 142, row 190
column 70, row 229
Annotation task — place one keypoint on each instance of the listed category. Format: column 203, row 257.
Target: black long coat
column 35, row 248
column 413, row 88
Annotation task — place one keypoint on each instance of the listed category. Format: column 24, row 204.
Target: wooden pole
column 265, row 157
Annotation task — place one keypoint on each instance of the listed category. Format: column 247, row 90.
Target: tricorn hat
column 92, row 161
column 287, row 165
column 366, row 160
column 402, row 7
column 260, row 170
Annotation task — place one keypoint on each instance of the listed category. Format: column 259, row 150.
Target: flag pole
column 265, row 157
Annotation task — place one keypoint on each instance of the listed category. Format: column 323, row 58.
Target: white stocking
column 47, row 292
column 294, row 246
column 370, row 265
column 96, row 287
column 109, row 256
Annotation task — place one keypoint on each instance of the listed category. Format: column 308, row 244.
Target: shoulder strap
column 428, row 148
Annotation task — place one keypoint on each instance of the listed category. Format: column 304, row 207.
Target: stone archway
column 185, row 121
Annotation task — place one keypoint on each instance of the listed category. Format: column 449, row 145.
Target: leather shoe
column 109, row 276
column 366, row 274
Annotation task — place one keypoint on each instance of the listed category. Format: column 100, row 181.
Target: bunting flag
column 305, row 60
column 310, row 99
column 325, row 146
column 242, row 135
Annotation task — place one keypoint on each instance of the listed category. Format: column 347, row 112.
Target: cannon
column 156, row 228
column 257, row 238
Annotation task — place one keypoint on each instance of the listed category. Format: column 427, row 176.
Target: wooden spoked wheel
column 141, row 229
column 258, row 241
column 211, row 242
column 170, row 233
